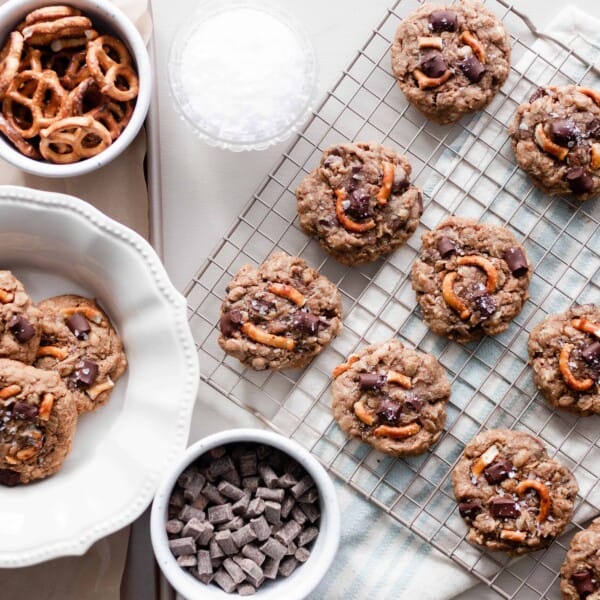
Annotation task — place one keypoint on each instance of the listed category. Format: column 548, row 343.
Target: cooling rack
column 466, row 169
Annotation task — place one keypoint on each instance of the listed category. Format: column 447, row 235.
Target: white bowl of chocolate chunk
column 246, row 512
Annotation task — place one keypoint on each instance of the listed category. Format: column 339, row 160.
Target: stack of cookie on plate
column 58, row 359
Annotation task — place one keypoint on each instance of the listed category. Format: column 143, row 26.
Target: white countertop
column 204, row 188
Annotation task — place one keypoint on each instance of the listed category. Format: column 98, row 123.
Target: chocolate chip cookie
column 556, row 140
column 391, row 397
column 19, row 321
column 471, row 279
column 513, row 496
column 359, row 202
column 451, row 60
column 79, row 341
column 37, row 422
column 564, row 351
column 580, row 573
column 279, row 315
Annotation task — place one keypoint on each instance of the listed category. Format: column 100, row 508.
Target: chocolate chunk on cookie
column 19, row 321
column 471, row 279
column 556, row 140
column 279, row 315
column 391, row 397
column 580, row 572
column 37, row 423
column 359, row 202
column 81, row 344
column 451, row 60
column 564, row 352
column 512, row 495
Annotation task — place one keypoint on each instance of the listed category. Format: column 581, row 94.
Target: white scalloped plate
column 58, row 244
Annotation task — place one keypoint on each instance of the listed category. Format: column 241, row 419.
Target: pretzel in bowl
column 10, row 59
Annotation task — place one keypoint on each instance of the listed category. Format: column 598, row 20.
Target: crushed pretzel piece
column 100, row 388
column 386, row 183
column 586, row 326
column 399, row 378
column 595, row 157
column 451, row 299
column 426, row 82
column 403, row 431
column 287, row 291
column 53, row 351
column 513, row 536
column 547, row 145
column 268, row 339
column 466, row 37
column 10, row 460
column 46, row 406
column 484, row 264
column 590, row 93
column 343, row 218
column 91, row 314
column 430, row 42
column 486, row 459
column 542, row 492
column 27, row 453
column 344, row 366
column 6, row 297
column 579, row 385
column 9, row 391
column 363, row 414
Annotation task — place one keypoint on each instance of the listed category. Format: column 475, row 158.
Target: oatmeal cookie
column 19, row 321
column 471, row 279
column 37, row 422
column 513, row 496
column 451, row 60
column 80, row 343
column 279, row 315
column 564, row 352
column 359, row 202
column 556, row 140
column 391, row 397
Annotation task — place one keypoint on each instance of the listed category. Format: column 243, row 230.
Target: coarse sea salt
column 242, row 75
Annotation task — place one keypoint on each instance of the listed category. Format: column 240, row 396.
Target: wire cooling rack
column 465, row 169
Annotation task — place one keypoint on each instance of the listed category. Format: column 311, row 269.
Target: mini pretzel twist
column 46, row 406
column 424, row 82
column 73, row 138
column 76, row 72
column 268, row 339
column 287, row 291
column 50, row 13
column 399, row 378
column 9, row 391
column 386, row 183
column 60, row 44
column 363, row 414
column 579, row 385
column 44, row 32
column 404, row 431
column 586, row 326
column 547, row 145
column 466, row 37
column 344, row 366
column 116, row 78
column 542, row 492
column 485, row 265
column 10, row 59
column 32, row 61
column 6, row 296
column 53, row 351
column 450, row 297
column 347, row 223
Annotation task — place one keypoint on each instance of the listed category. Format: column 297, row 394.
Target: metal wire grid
column 466, row 169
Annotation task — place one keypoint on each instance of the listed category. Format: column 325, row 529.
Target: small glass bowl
column 243, row 74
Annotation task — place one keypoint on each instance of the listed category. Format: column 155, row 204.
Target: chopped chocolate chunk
column 469, row 508
column 472, row 68
column 413, row 403
column 388, row 411
column 86, row 373
column 498, row 471
column 433, row 64
column 564, row 132
column 593, row 128
column 591, row 353
column 78, row 325
column 485, row 305
column 9, row 478
column 443, row 20
column 371, row 381
column 584, row 583
column 230, row 322
column 174, row 526
column 224, row 581
column 401, row 183
column 579, row 180
column 517, row 261
column 234, row 570
column 21, row 328
column 504, row 508
column 23, row 410
column 446, row 247
column 306, row 322
column 182, row 546
column 539, row 93
column 359, row 205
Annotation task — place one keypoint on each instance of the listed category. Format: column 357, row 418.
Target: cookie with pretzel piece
column 564, row 352
column 359, row 202
column 512, row 495
column 451, row 60
column 471, row 279
column 81, row 344
column 279, row 315
column 391, row 397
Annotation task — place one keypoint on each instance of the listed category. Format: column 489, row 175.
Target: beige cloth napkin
column 119, row 190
